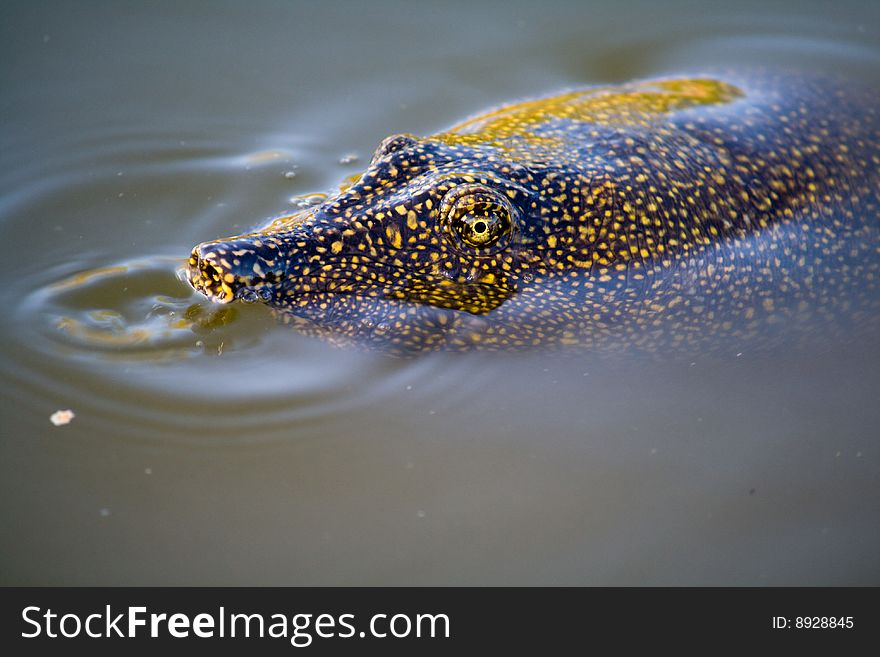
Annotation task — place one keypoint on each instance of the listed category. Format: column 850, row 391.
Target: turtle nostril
column 209, row 271
column 209, row 277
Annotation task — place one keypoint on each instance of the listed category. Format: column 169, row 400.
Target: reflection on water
column 210, row 445
column 132, row 311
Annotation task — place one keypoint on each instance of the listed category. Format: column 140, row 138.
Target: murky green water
column 213, row 446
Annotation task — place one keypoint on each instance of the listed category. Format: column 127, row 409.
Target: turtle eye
column 477, row 216
column 482, row 225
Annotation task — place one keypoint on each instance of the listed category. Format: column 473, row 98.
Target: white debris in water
column 148, row 471
column 420, row 513
column 62, row 417
column 290, row 174
column 104, row 512
column 349, row 158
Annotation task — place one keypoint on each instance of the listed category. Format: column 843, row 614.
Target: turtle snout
column 245, row 268
column 206, row 274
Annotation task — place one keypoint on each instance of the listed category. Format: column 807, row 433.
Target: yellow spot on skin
column 393, row 233
column 336, row 246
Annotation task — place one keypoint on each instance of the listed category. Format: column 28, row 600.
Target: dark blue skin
column 686, row 213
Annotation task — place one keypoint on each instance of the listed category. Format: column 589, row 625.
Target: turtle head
column 429, row 237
